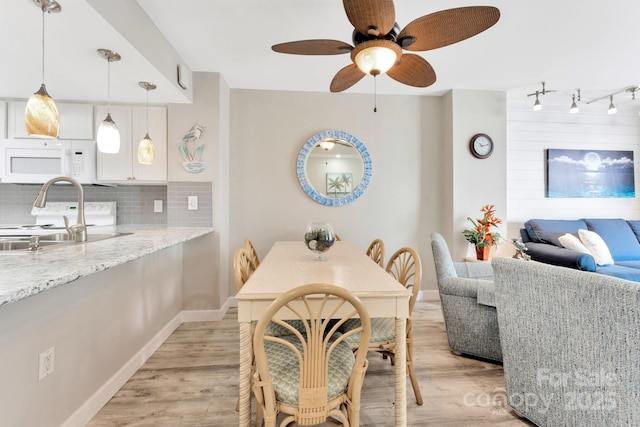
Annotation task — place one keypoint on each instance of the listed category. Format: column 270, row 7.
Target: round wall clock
column 481, row 145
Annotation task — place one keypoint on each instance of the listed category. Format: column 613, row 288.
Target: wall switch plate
column 45, row 365
column 192, row 203
column 157, row 205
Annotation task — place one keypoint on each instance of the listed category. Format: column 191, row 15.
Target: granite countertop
column 24, row 274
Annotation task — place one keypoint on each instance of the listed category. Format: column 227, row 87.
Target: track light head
column 612, row 108
column 537, row 106
column 574, row 107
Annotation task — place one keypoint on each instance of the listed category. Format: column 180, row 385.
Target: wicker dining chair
column 405, row 266
column 315, row 376
column 251, row 251
column 375, row 251
column 243, row 267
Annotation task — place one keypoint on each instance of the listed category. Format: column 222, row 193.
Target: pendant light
column 41, row 115
column 146, row 150
column 108, row 136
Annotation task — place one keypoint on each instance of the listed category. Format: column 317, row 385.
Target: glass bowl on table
column 318, row 238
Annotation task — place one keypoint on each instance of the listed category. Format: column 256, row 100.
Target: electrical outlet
column 192, row 203
column 45, row 367
column 157, row 205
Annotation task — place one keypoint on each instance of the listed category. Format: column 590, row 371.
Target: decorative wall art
column 192, row 155
column 339, row 184
column 590, row 173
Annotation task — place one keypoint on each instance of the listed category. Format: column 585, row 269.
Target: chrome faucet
column 79, row 230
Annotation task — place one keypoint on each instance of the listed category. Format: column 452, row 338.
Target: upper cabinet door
column 3, row 119
column 76, row 120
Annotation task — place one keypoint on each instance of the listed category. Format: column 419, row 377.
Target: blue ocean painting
column 590, row 173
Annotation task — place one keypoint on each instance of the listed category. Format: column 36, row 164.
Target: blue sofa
column 621, row 236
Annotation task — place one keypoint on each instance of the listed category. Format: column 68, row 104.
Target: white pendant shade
column 146, row 151
column 41, row 116
column 108, row 137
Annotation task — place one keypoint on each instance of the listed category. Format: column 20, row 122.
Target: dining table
column 289, row 264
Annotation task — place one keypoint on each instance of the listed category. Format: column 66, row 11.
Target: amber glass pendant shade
column 41, row 116
column 146, row 151
column 108, row 136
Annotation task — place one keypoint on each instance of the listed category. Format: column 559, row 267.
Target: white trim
column 91, row 406
column 208, row 315
column 429, row 295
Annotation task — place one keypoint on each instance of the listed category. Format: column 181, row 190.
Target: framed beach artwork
column 339, row 184
column 590, row 173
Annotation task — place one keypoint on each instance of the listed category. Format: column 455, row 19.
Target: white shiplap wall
column 530, row 133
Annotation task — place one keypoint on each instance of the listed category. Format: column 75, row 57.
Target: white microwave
column 35, row 161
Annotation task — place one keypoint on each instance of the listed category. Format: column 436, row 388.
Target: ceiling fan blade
column 448, row 26
column 413, row 70
column 374, row 17
column 313, row 47
column 346, row 78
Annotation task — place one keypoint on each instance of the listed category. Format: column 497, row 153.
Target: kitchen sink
column 22, row 244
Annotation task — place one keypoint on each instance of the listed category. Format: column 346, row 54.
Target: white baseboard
column 429, row 295
column 209, row 315
column 92, row 406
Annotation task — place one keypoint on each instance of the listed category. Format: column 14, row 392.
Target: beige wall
column 210, row 109
column 404, row 201
column 424, row 178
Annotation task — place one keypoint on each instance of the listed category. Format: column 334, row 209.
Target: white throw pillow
column 570, row 241
column 596, row 246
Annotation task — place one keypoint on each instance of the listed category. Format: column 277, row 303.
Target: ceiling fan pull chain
column 375, row 95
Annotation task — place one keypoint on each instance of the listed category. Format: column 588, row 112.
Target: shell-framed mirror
column 334, row 167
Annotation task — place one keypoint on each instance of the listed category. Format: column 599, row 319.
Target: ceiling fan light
column 146, row 151
column 41, row 115
column 376, row 56
column 327, row 144
column 108, row 136
column 537, row 106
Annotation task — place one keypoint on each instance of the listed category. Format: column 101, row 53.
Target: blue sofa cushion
column 620, row 271
column 619, row 237
column 548, row 230
column 635, row 226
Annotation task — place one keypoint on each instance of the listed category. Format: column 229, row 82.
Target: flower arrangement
column 480, row 235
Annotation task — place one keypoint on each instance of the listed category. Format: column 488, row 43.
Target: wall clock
column 481, row 145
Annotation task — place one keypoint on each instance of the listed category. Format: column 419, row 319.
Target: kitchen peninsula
column 103, row 307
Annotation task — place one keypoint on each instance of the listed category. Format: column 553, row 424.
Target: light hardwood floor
column 192, row 380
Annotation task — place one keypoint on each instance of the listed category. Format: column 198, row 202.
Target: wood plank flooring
column 192, row 381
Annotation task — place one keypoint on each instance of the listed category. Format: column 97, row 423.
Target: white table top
column 291, row 264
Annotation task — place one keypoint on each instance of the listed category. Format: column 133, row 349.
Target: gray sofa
column 468, row 307
column 570, row 344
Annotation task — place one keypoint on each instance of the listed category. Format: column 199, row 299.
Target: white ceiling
column 568, row 44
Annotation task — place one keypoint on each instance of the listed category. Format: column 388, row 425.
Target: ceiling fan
column 378, row 41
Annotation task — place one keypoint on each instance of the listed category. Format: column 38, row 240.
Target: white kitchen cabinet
column 76, row 120
column 3, row 119
column 123, row 167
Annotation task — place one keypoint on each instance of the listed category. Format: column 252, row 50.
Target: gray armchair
column 468, row 303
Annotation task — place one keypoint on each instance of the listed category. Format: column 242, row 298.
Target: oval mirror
column 334, row 168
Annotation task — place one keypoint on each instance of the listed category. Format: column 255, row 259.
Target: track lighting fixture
column 612, row 108
column 537, row 106
column 41, row 115
column 108, row 135
column 574, row 107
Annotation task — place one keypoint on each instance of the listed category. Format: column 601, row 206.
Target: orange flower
column 481, row 235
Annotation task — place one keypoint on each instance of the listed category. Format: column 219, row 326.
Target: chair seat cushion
column 383, row 329
column 275, row 330
column 285, row 369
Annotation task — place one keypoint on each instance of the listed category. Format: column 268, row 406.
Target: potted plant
column 480, row 234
